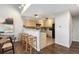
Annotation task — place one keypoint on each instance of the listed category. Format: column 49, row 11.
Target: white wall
column 70, row 30
column 8, row 11
column 62, row 29
column 75, row 23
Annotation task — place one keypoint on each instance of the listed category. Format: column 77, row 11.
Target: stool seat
column 6, row 45
column 4, row 40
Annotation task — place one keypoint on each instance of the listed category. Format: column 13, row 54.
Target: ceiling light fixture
column 36, row 16
column 22, row 5
column 19, row 7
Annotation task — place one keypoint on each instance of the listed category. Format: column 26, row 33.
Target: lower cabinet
column 42, row 40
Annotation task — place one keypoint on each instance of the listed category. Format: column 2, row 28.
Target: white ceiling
column 50, row 10
column 47, row 10
column 16, row 6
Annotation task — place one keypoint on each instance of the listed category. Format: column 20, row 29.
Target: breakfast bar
column 41, row 37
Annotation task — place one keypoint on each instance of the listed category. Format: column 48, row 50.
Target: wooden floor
column 58, row 49
column 52, row 49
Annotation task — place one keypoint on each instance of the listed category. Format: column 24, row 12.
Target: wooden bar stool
column 31, row 40
column 30, row 43
column 27, row 42
column 24, row 40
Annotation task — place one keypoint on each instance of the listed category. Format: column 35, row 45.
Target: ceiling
column 50, row 10
column 46, row 10
column 16, row 6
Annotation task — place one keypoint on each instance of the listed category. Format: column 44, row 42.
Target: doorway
column 51, row 35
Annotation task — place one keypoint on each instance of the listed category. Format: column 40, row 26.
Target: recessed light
column 20, row 7
column 36, row 15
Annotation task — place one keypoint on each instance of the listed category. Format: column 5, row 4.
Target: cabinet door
column 30, row 23
column 48, row 23
column 41, row 22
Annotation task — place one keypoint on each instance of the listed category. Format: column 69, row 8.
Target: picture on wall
column 8, row 21
column 7, row 26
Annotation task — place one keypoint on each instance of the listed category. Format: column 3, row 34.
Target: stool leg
column 26, row 45
column 30, row 50
column 31, row 43
column 2, row 51
column 36, row 44
column 13, row 50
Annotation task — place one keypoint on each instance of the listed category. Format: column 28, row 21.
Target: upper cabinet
column 48, row 23
column 43, row 23
column 30, row 23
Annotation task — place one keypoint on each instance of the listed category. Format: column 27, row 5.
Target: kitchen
column 41, row 30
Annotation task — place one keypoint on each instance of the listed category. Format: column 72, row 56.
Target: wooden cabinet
column 41, row 22
column 30, row 23
column 48, row 23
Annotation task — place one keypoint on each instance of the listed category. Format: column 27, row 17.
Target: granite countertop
column 30, row 27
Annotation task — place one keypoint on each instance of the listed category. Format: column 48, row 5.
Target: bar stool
column 24, row 40
column 28, row 42
column 31, row 40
